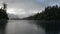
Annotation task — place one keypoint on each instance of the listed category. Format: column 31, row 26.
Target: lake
column 29, row 27
column 23, row 27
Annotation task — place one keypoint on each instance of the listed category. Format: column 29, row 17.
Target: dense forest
column 50, row 13
column 3, row 14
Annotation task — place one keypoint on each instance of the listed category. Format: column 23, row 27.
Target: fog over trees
column 50, row 13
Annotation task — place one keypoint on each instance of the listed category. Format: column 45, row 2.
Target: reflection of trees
column 51, row 26
column 3, row 24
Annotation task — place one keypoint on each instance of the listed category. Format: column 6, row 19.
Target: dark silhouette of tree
column 3, row 14
column 50, row 13
column 3, row 19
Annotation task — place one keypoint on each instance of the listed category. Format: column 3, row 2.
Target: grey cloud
column 29, row 5
column 22, row 4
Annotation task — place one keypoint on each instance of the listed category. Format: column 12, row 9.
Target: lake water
column 23, row 27
column 30, row 27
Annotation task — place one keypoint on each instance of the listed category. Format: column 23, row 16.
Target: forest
column 49, row 13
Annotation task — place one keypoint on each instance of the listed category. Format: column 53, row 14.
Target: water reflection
column 31, row 26
column 23, row 27
column 51, row 27
column 2, row 26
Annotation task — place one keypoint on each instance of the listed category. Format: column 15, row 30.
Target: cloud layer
column 25, row 8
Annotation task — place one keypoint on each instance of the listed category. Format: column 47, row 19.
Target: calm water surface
column 23, row 27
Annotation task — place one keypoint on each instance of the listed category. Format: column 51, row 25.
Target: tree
column 3, row 14
column 50, row 13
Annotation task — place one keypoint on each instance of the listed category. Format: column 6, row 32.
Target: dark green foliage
column 50, row 13
column 3, row 14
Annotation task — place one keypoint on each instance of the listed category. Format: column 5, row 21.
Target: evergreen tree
column 3, row 14
column 50, row 13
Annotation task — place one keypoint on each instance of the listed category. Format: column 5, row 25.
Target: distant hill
column 13, row 17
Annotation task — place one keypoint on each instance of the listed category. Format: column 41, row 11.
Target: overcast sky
column 24, row 8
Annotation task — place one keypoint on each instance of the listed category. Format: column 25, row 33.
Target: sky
column 25, row 8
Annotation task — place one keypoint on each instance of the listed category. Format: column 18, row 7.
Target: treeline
column 3, row 14
column 50, row 13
